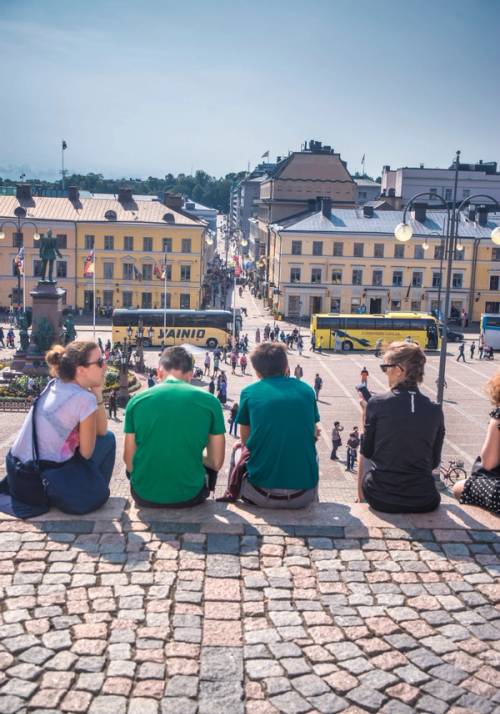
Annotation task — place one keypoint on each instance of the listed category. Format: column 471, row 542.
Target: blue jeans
column 104, row 455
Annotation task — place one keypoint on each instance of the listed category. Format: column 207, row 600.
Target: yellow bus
column 205, row 328
column 361, row 332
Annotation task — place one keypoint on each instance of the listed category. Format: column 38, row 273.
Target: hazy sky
column 151, row 87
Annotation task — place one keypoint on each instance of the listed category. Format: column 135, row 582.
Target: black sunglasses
column 99, row 362
column 385, row 367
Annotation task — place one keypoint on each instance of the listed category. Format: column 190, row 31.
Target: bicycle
column 453, row 472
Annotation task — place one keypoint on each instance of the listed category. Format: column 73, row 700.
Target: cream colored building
column 347, row 260
column 130, row 239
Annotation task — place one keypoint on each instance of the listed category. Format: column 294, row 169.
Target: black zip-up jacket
column 403, row 437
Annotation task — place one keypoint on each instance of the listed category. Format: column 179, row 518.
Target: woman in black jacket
column 402, row 439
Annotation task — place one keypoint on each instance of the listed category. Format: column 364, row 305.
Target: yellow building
column 130, row 239
column 347, row 260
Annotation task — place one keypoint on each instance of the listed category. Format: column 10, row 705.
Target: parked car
column 452, row 335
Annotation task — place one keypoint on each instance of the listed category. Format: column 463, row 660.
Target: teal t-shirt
column 171, row 423
column 282, row 414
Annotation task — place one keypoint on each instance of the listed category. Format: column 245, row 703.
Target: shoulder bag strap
column 34, row 438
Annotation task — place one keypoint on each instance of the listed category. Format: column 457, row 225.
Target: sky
column 154, row 87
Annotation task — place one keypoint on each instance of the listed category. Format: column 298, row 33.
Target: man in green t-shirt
column 167, row 429
column 278, row 418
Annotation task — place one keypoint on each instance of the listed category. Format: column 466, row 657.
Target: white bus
column 490, row 329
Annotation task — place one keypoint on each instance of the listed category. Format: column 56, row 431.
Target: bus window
column 400, row 323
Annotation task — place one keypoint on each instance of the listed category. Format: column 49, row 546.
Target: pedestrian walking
column 336, row 440
column 232, row 419
column 207, row 362
column 364, row 377
column 2, row 337
column 222, row 393
column 472, row 350
column 318, row 384
column 211, row 386
column 257, row 336
column 312, row 348
column 352, row 448
column 234, row 362
column 112, row 404
column 481, row 346
column 243, row 363
column 99, row 342
column 298, row 372
column 378, row 347
column 320, row 345
column 461, row 353
column 300, row 345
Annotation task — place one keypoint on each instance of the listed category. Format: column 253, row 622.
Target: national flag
column 137, row 274
column 19, row 261
column 265, row 155
column 89, row 267
column 64, row 145
column 157, row 271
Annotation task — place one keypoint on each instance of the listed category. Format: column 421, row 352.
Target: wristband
column 101, row 402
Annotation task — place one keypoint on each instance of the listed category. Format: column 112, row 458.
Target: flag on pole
column 408, row 291
column 137, row 274
column 265, row 155
column 89, row 267
column 64, row 145
column 19, row 261
column 159, row 271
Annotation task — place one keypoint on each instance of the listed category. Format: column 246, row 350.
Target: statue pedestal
column 46, row 324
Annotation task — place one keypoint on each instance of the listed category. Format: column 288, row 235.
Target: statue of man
column 69, row 330
column 48, row 253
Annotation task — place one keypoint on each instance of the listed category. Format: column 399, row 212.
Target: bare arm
column 244, row 432
column 129, row 450
column 490, row 453
column 215, row 451
column 88, row 433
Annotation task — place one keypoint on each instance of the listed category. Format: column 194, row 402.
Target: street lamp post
column 20, row 213
column 404, row 232
column 123, row 388
column 140, row 347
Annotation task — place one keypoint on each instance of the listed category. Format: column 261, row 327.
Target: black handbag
column 25, row 478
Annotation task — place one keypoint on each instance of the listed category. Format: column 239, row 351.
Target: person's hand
column 97, row 391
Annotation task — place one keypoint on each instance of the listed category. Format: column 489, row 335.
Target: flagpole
column 94, row 299
column 165, row 299
column 24, row 286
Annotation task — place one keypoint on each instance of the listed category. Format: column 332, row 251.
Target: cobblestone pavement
column 139, row 614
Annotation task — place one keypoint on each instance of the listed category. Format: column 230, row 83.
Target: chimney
column 23, row 192
column 125, row 195
column 326, row 207
column 482, row 215
column 421, row 166
column 368, row 211
column 73, row 194
column 173, row 201
column 419, row 211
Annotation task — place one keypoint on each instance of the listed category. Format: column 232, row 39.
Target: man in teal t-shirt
column 278, row 419
column 167, row 429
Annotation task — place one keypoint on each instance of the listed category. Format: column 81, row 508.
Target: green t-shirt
column 282, row 413
column 171, row 423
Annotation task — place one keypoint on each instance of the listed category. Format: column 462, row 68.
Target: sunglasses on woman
column 99, row 362
column 385, row 367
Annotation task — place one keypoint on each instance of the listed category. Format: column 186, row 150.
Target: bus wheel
column 212, row 343
column 346, row 346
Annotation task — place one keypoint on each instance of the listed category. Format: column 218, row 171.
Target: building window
column 357, row 276
column 458, row 280
column 337, row 277
column 185, row 273
column 465, row 193
column 167, row 245
column 459, row 255
column 494, row 282
column 415, row 305
column 109, row 243
column 377, row 277
column 438, row 252
column 186, row 246
column 495, row 254
column 146, row 301
column 399, row 251
column 62, row 241
column 127, row 298
column 128, row 271
column 317, row 247
column 107, row 298
column 436, row 280
column 396, row 305
column 169, row 272
column 296, row 247
column 89, row 242
column 147, row 272
column 358, row 250
column 378, row 250
column 492, row 307
column 294, row 305
column 162, row 301
column 338, row 249
column 447, row 194
column 108, row 270
column 128, row 242
column 295, row 275
column 315, row 275
column 335, row 305
column 17, row 239
column 416, row 279
column 434, row 190
column 62, row 269
column 397, row 278
column 147, row 245
column 185, row 301
column 419, row 253
column 355, row 304
column 37, row 268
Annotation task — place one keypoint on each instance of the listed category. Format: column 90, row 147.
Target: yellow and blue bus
column 205, row 328
column 490, row 329
column 361, row 332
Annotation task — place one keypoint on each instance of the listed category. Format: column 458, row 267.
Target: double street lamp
column 20, row 213
column 452, row 243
